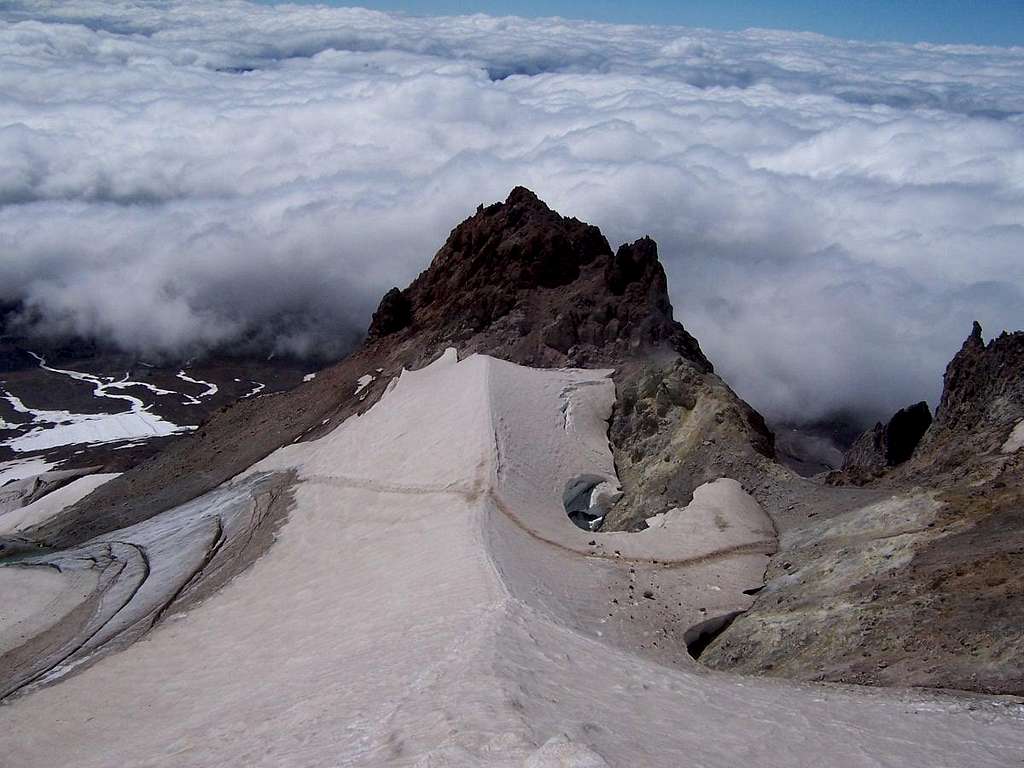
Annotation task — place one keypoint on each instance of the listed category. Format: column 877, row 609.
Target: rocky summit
column 543, row 289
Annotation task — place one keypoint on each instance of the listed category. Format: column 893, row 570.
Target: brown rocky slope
column 925, row 586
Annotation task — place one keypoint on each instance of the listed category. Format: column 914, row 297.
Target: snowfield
column 54, row 428
column 18, row 469
column 429, row 603
column 22, row 518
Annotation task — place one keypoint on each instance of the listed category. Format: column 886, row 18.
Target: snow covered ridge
column 428, row 602
column 22, row 518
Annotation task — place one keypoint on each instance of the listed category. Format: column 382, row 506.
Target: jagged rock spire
column 516, row 279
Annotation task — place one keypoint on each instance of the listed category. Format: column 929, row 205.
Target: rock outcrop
column 891, row 444
column 917, row 576
column 518, row 280
column 392, row 315
column 982, row 403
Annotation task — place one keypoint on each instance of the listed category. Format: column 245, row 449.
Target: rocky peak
column 982, row 403
column 519, row 280
column 983, row 384
column 891, row 444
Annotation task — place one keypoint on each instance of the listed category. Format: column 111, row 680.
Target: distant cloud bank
column 832, row 215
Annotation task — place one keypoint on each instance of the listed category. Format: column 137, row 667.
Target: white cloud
column 832, row 215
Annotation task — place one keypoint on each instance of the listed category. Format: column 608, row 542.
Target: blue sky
column 988, row 22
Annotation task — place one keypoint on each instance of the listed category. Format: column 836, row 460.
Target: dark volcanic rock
column 522, row 282
column 393, row 314
column 891, row 444
column 983, row 392
column 904, row 431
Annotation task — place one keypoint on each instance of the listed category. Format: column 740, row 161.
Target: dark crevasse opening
column 577, row 501
column 584, row 508
column 700, row 636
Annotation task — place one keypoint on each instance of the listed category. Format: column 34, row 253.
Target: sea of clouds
column 832, row 215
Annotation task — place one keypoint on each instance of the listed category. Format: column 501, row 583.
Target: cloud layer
column 832, row 215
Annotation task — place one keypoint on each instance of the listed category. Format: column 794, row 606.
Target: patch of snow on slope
column 210, row 391
column 1016, row 439
column 43, row 509
column 54, row 428
column 721, row 516
column 260, row 386
column 363, row 382
column 124, row 383
column 309, row 377
column 19, row 469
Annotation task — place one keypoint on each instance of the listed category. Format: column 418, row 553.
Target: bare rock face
column 519, row 281
column 981, row 405
column 393, row 314
column 867, row 454
column 904, row 431
column 676, row 427
column 917, row 576
column 891, row 444
column 982, row 402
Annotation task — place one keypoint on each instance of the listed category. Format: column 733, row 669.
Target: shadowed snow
column 49, row 505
